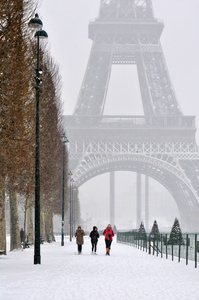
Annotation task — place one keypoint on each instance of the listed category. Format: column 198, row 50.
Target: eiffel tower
column 161, row 144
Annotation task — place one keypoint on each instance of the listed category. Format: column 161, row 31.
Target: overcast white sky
column 66, row 22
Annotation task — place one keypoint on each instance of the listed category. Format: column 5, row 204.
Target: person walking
column 21, row 235
column 79, row 234
column 109, row 234
column 94, row 235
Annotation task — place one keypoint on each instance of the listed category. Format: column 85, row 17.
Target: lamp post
column 72, row 204
column 64, row 141
column 70, row 175
column 37, row 24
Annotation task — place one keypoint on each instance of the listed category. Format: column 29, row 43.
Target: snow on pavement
column 128, row 274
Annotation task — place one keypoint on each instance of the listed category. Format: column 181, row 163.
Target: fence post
column 172, row 249
column 146, row 242
column 161, row 247
column 153, row 246
column 187, row 241
column 166, row 247
column 196, row 250
column 149, row 245
column 157, row 246
column 179, row 250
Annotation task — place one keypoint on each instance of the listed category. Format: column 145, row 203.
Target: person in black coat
column 94, row 235
column 21, row 235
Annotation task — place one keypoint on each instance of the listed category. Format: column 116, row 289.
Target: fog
column 67, row 25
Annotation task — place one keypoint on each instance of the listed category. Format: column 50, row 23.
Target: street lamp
column 72, row 204
column 37, row 24
column 71, row 180
column 64, row 141
column 74, row 208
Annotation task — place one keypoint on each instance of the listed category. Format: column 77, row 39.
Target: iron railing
column 186, row 247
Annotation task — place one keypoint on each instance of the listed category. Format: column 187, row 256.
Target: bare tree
column 17, row 122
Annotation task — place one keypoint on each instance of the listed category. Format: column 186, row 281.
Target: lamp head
column 35, row 23
column 42, row 34
column 64, row 138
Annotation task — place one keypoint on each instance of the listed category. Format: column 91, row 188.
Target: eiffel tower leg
column 112, row 198
column 156, row 89
column 146, row 203
column 144, row 86
column 93, row 91
column 139, row 204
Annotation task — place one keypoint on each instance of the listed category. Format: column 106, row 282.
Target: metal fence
column 187, row 247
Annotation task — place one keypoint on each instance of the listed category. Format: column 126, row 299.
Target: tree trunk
column 52, row 230
column 15, row 242
column 24, row 226
column 42, row 224
column 29, row 220
column 49, row 226
column 2, row 215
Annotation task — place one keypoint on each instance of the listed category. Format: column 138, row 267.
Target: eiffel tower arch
column 161, row 144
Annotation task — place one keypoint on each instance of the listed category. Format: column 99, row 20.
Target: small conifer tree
column 142, row 232
column 176, row 234
column 155, row 234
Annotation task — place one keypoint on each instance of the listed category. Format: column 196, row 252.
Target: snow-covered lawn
column 128, row 273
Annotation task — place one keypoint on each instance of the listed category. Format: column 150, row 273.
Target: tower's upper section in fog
column 126, row 9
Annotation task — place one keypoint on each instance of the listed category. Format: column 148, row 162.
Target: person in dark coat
column 94, row 235
column 21, row 235
column 109, row 234
column 79, row 234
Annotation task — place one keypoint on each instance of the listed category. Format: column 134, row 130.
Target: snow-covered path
column 127, row 274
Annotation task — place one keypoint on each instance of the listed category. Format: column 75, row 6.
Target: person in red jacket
column 108, row 232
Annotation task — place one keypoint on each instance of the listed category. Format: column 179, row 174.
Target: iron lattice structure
column 160, row 144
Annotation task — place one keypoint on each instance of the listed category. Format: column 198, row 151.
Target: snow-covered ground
column 128, row 273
